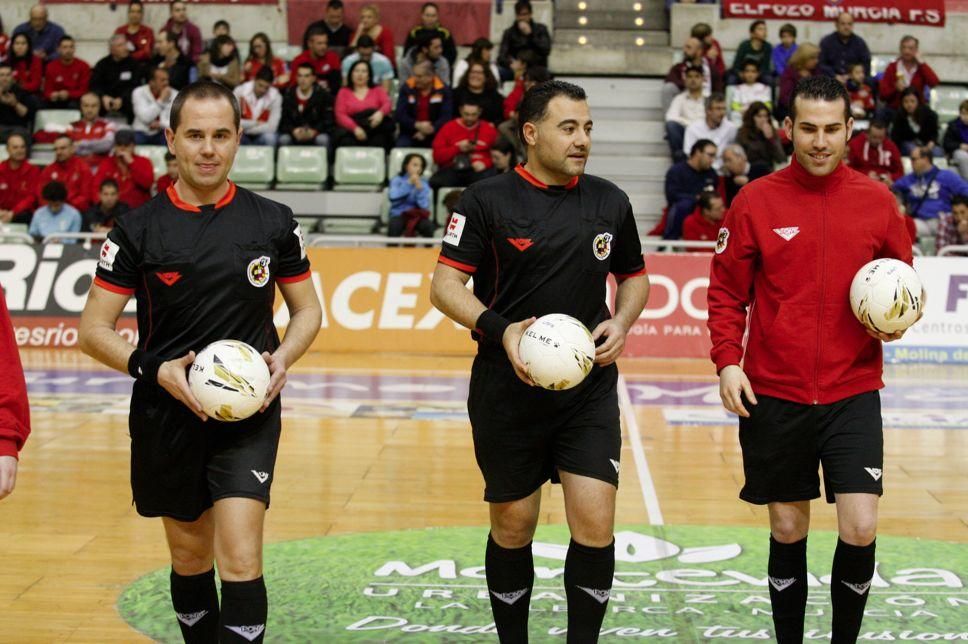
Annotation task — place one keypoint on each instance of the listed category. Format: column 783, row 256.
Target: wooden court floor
column 71, row 541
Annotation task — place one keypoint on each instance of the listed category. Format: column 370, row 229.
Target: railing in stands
column 16, row 237
column 953, row 250
column 86, row 238
column 382, row 240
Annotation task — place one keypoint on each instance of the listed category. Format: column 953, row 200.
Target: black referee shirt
column 203, row 274
column 535, row 249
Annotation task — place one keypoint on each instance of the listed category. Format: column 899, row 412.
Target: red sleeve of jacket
column 142, row 173
column 147, row 49
column 486, row 139
column 445, row 144
column 14, row 408
column 33, row 77
column 29, row 199
column 690, row 229
column 79, row 89
column 53, row 67
column 79, row 190
column 897, row 169
column 731, row 284
column 897, row 239
column 514, row 98
column 887, row 91
column 386, row 46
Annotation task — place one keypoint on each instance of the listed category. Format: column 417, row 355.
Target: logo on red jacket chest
column 787, row 233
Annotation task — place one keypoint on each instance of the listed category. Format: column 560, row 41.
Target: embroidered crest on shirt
column 258, row 272
column 787, row 233
column 722, row 240
column 602, row 246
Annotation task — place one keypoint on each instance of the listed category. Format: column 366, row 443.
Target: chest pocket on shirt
column 255, row 268
column 171, row 282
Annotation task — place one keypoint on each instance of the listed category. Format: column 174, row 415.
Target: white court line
column 638, row 453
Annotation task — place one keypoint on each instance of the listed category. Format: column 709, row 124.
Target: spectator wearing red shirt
column 705, row 221
column 909, row 70
column 134, row 174
column 187, row 33
column 462, row 149
column 861, row 94
column 92, row 135
column 325, row 62
column 260, row 55
column 70, row 170
column 362, row 110
column 874, row 154
column 14, row 408
column 19, row 183
column 140, row 37
column 382, row 37
column 28, row 69
column 66, row 78
column 170, row 176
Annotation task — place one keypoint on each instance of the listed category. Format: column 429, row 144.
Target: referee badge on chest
column 258, row 271
column 602, row 246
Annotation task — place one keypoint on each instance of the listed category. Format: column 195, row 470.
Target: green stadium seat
column 301, row 167
column 441, row 212
column 55, row 121
column 13, row 229
column 155, row 154
column 3, row 153
column 945, row 101
column 359, row 169
column 397, row 155
column 254, row 167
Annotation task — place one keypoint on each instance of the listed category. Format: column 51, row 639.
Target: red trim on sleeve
column 114, row 288
column 467, row 268
column 538, row 183
column 625, row 276
column 295, row 278
column 179, row 203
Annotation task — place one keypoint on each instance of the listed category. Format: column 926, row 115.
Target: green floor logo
column 672, row 583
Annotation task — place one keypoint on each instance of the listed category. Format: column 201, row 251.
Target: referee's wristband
column 144, row 366
column 492, row 325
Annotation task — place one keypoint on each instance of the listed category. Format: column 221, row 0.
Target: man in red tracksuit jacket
column 134, row 174
column 470, row 137
column 70, row 170
column 18, row 182
column 14, row 409
column 66, row 78
column 807, row 393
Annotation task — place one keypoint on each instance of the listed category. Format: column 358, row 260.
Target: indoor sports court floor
column 376, row 445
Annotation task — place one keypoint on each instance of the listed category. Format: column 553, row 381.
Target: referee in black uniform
column 541, row 240
column 194, row 257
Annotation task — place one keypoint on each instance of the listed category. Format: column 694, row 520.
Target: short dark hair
column 851, row 66
column 365, row 42
column 318, row 30
column 265, row 74
column 877, row 123
column 18, row 133
column 534, row 105
column 701, row 30
column 906, row 37
column 749, row 62
column 334, row 4
column 410, row 157
column 427, row 38
column 959, row 200
column 522, row 5
column 167, row 35
column 451, row 199
column 820, row 88
column 202, row 90
column 308, row 66
column 63, row 135
column 788, row 29
column 699, row 146
column 54, row 191
column 538, row 74
column 109, row 182
column 692, row 68
column 155, row 70
column 221, row 23
column 706, row 198
column 715, row 97
column 64, row 38
column 755, row 24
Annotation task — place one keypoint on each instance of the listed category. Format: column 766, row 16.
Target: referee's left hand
column 277, row 377
column 608, row 352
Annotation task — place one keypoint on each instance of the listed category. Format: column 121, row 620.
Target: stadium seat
column 3, row 153
column 54, row 121
column 397, row 155
column 906, row 165
column 879, row 64
column 945, row 101
column 441, row 211
column 155, row 154
column 13, row 229
column 359, row 169
column 254, row 167
column 301, row 167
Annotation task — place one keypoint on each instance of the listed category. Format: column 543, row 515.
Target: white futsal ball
column 230, row 379
column 886, row 295
column 558, row 351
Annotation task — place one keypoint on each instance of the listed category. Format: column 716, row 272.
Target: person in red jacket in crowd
column 70, row 170
column 324, row 61
column 704, row 222
column 14, row 408
column 66, row 78
column 134, row 174
column 19, row 183
column 93, row 136
column 807, row 390
column 170, row 176
column 909, row 70
column 873, row 153
column 140, row 37
column 28, row 69
column 462, row 149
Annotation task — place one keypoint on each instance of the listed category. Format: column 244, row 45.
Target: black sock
column 196, row 606
column 244, row 611
column 588, row 584
column 787, row 572
column 850, row 583
column 510, row 576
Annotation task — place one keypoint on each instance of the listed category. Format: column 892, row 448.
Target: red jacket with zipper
column 789, row 248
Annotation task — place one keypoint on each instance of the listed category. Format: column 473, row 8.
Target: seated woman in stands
column 410, row 197
column 363, row 111
column 221, row 62
column 260, row 55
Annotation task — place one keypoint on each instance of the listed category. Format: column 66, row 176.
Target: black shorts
column 784, row 442
column 523, row 435
column 180, row 465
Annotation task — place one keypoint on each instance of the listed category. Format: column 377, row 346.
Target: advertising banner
column 929, row 13
column 114, row 2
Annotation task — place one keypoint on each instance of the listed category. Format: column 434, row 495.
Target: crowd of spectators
column 347, row 87
column 723, row 125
